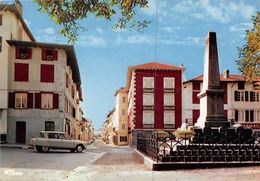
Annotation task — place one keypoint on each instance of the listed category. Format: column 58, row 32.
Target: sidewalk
column 21, row 146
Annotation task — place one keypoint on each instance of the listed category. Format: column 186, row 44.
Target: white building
column 40, row 85
column 242, row 100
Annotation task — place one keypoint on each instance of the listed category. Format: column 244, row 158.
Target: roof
column 110, row 112
column 231, row 78
column 70, row 52
column 150, row 66
column 119, row 90
column 12, row 8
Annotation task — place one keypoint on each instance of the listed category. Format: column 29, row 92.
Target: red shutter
column 21, row 72
column 37, row 100
column 44, row 57
column 17, row 52
column 55, row 101
column 195, row 115
column 11, row 100
column 29, row 53
column 55, row 55
column 30, row 100
column 196, row 85
column 195, row 99
column 47, row 73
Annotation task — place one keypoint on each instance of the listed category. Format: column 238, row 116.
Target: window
column 241, row 86
column 169, row 99
column 195, row 92
column 0, row 44
column 148, row 82
column 46, row 100
column 249, row 116
column 23, row 53
column 148, row 99
column 47, row 73
column 168, row 119
column 49, row 126
column 1, row 20
column 123, row 112
column 21, row 72
column 123, row 126
column 236, row 115
column 73, row 112
column 123, row 138
column 21, row 100
column 53, row 135
column 123, row 99
column 168, row 83
column 148, row 119
column 67, row 80
column 49, row 54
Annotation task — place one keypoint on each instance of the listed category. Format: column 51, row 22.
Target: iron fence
column 168, row 148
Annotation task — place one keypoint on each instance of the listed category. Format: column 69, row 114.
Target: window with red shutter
column 21, row 72
column 44, row 54
column 195, row 115
column 49, row 54
column 37, row 98
column 47, row 73
column 11, row 100
column 23, row 53
column 55, row 101
column 195, row 99
column 30, row 100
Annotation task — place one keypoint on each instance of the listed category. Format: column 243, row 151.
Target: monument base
column 216, row 123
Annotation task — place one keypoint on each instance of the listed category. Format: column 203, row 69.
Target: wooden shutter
column 246, row 96
column 11, row 100
column 55, row 101
column 55, row 54
column 29, row 53
column 37, row 100
column 44, row 57
column 47, row 73
column 30, row 100
column 21, row 72
column 236, row 95
column 17, row 52
column 236, row 115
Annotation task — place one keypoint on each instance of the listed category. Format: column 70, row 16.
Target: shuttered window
column 148, row 117
column 169, row 117
column 168, row 83
column 49, row 54
column 148, row 82
column 46, row 101
column 20, row 100
column 47, row 73
column 23, row 53
column 21, row 72
column 169, row 99
column 148, row 99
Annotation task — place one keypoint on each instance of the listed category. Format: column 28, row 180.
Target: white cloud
column 100, row 30
column 118, row 30
column 92, row 41
column 169, row 29
column 49, row 31
column 240, row 28
column 221, row 11
column 139, row 39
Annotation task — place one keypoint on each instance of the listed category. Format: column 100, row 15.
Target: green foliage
column 68, row 13
column 249, row 54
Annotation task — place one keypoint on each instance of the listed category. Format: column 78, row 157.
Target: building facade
column 108, row 133
column 40, row 82
column 154, row 97
column 241, row 100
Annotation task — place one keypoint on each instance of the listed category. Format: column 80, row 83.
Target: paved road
column 101, row 162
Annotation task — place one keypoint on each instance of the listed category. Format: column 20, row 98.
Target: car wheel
column 39, row 148
column 79, row 148
column 72, row 150
column 45, row 149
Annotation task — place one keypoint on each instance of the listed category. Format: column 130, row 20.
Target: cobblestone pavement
column 102, row 162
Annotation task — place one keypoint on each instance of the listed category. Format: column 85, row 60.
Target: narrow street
column 101, row 162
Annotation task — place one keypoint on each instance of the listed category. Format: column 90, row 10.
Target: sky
column 176, row 36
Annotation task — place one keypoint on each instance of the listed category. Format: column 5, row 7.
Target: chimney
column 19, row 7
column 226, row 74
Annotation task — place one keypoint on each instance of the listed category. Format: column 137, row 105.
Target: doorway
column 20, row 132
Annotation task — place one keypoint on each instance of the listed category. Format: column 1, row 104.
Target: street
column 101, row 162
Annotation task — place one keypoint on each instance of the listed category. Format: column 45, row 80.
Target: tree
column 249, row 54
column 68, row 13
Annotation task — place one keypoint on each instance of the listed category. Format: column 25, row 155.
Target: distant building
column 40, row 85
column 241, row 100
column 108, row 133
column 120, row 118
column 154, row 97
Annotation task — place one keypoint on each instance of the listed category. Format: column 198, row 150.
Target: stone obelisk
column 211, row 96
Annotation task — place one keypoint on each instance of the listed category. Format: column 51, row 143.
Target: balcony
column 166, row 107
column 148, row 126
column 169, row 90
column 148, row 107
column 148, row 90
column 169, row 126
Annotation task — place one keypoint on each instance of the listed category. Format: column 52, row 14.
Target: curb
column 14, row 146
column 148, row 162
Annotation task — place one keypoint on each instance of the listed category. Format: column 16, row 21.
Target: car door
column 55, row 142
column 67, row 142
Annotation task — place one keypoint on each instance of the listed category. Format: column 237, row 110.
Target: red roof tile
column 155, row 65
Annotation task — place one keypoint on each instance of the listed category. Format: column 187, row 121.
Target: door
column 20, row 132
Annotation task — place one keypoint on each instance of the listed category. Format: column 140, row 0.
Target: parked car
column 56, row 140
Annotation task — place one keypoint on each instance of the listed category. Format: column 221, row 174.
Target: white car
column 56, row 140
